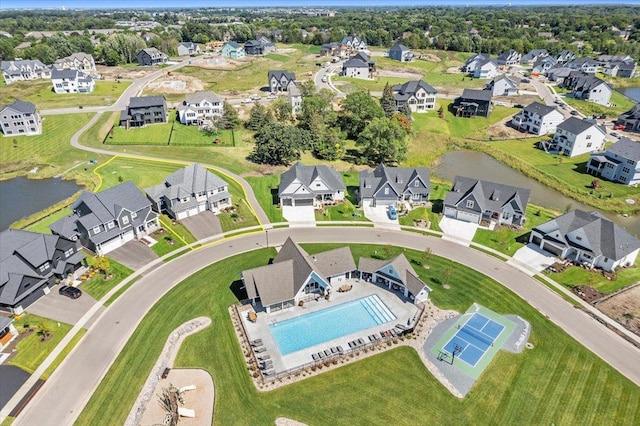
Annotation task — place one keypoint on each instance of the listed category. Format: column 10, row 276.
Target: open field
column 559, row 381
column 41, row 93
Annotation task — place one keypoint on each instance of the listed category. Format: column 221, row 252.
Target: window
column 626, row 169
column 386, row 191
column 589, row 145
column 68, row 253
column 416, row 183
column 125, row 220
column 134, row 215
column 588, row 137
column 470, row 204
column 579, row 238
column 44, row 267
column 110, row 225
column 96, row 230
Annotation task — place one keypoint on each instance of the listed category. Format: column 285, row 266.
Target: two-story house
column 576, row 136
column 420, row 96
column 279, row 80
column 400, row 52
column 510, row 57
column 335, row 49
column 27, row 69
column 144, row 110
column 543, row 64
column 564, row 56
column 188, row 48
column 295, row 98
column 386, row 186
column 71, row 81
column 151, row 56
column 586, row 65
column 199, row 107
column 310, row 186
column 589, row 88
column 253, row 47
column 233, row 50
column 619, row 163
column 475, row 200
column 354, row 43
column 537, row 118
column 473, row 103
column 630, row 119
column 31, row 263
column 106, row 220
column 20, row 118
column 587, row 239
column 189, row 191
column 267, row 45
column 532, row 56
column 78, row 61
column 359, row 66
column 502, row 86
column 471, row 64
column 486, row 68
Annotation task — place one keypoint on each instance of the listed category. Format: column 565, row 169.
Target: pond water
column 21, row 197
column 481, row 166
column 632, row 93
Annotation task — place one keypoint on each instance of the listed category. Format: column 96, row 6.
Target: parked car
column 619, row 127
column 574, row 112
column 255, row 97
column 393, row 214
column 247, row 101
column 69, row 291
column 526, row 80
column 615, row 134
column 271, row 96
column 324, row 79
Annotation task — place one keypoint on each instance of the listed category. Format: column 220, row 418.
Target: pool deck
column 401, row 307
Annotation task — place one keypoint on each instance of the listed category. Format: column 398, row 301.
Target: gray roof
column 305, row 175
column 488, row 195
column 152, row 51
column 477, row 95
column 355, row 63
column 278, row 74
column 402, row 267
column 188, row 44
column 33, row 63
column 586, row 82
column 603, row 236
column 398, row 178
column 626, row 148
column 187, row 181
column 65, row 73
column 575, row 125
column 399, row 48
column 5, row 321
column 105, row 206
column 233, row 44
column 21, row 106
column 146, row 101
column 202, row 95
column 408, row 89
column 540, row 109
column 505, row 78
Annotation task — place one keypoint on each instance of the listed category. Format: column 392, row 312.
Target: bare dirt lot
column 176, row 84
column 429, row 57
column 624, row 307
column 400, row 73
column 110, row 73
column 219, row 63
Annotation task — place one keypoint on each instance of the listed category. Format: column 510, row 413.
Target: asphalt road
column 64, row 395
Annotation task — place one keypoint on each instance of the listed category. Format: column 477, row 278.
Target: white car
column 271, row 96
column 247, row 101
column 255, row 97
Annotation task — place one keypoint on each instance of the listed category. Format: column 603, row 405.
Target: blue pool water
column 321, row 326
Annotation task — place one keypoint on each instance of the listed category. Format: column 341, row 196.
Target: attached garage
column 181, row 215
column 468, row 217
column 384, row 202
column 192, row 212
column 304, row 202
column 113, row 244
column 537, row 240
column 450, row 212
column 552, row 249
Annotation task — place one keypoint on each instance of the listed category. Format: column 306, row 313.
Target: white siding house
column 575, row 137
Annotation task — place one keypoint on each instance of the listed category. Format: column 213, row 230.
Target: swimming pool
column 317, row 327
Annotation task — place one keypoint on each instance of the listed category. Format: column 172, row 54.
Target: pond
column 21, row 197
column 482, row 166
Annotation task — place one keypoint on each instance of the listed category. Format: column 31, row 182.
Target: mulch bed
column 586, row 293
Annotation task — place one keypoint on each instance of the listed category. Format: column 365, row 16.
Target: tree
column 595, row 184
column 388, row 101
column 258, row 117
column 404, row 122
column 406, row 111
column 278, row 144
column 229, row 119
column 308, row 88
column 7, row 52
column 383, row 141
column 282, row 110
column 44, row 329
column 358, row 109
column 330, row 147
column 126, row 45
column 102, row 264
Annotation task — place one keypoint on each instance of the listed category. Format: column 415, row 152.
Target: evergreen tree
column 406, row 111
column 258, row 117
column 229, row 119
column 388, row 101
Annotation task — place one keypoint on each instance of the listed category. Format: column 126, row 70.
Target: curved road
column 65, row 394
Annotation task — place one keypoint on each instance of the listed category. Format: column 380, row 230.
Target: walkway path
column 66, row 393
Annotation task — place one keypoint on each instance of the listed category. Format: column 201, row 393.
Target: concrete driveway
column 203, row 225
column 134, row 255
column 379, row 215
column 531, row 259
column 299, row 215
column 458, row 231
column 62, row 308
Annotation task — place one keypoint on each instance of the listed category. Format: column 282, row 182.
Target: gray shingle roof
column 399, row 178
column 410, row 88
column 477, row 95
column 32, row 63
column 402, row 267
column 355, row 63
column 146, row 101
column 399, row 48
column 202, row 95
column 234, row 45
column 187, row 181
column 108, row 204
column 278, row 74
column 576, row 125
column 65, row 73
column 21, row 106
column 626, row 148
column 539, row 109
column 305, row 175
column 489, row 195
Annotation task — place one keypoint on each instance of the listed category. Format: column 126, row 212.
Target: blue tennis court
column 474, row 338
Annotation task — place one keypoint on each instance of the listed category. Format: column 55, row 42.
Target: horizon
column 166, row 4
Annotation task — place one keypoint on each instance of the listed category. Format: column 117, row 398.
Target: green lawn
column 243, row 216
column 31, row 351
column 153, row 134
column 42, row 226
column 265, row 189
column 433, row 73
column 277, row 57
column 182, row 135
column 618, row 104
column 578, row 276
column 41, row 93
column 345, row 211
column 558, row 382
column 97, row 287
column 166, row 238
column 421, row 213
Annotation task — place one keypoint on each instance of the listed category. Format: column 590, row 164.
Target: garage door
column 469, row 217
column 450, row 212
column 553, row 249
column 193, row 211
column 181, row 215
column 385, row 202
column 111, row 245
column 537, row 241
column 308, row 202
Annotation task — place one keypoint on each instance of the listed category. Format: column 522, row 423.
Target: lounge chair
column 260, row 349
column 267, row 365
column 256, row 345
column 264, row 357
column 321, row 354
column 269, row 372
column 360, row 342
column 327, row 352
column 315, row 357
column 186, row 412
column 371, row 338
column 256, row 342
column 351, row 345
column 334, row 350
column 339, row 348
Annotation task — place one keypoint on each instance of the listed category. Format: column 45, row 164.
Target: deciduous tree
column 383, row 141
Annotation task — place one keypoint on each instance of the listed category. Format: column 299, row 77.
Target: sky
column 292, row 3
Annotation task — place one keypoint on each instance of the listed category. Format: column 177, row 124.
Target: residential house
column 200, row 107
column 624, row 69
column 486, row 68
column 510, row 57
column 576, row 136
column 144, row 110
column 253, row 47
column 589, row 88
column 385, row 186
column 604, row 59
column 400, row 52
column 356, row 68
column 564, row 56
column 78, row 61
column 27, row 69
column 472, row 63
column 267, row 45
column 473, row 103
column 420, row 96
column 543, row 64
column 475, row 200
column 631, row 119
column 278, row 80
column 502, row 86
column 619, row 163
column 334, row 49
column 558, row 74
column 396, row 274
column 188, row 48
column 533, row 55
column 151, row 56
column 232, row 50
column 587, row 239
column 20, row 118
column 188, row 192
column 31, row 264
column 354, row 43
column 71, row 81
column 8, row 332
column 295, row 97
column 106, row 220
column 586, row 65
column 538, row 119
column 310, row 186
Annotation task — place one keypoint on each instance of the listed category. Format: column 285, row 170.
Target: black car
column 69, row 291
